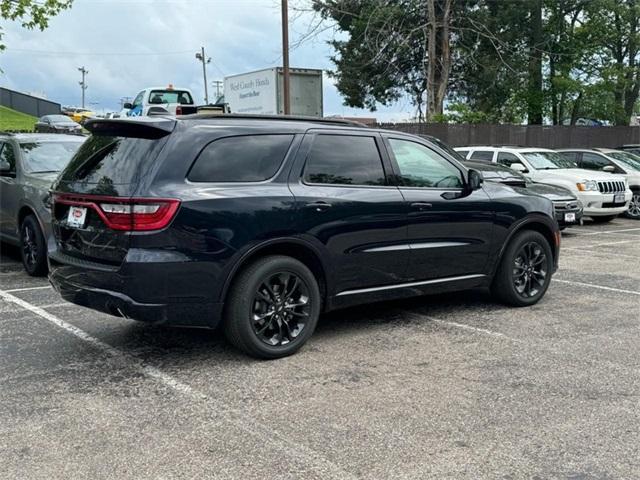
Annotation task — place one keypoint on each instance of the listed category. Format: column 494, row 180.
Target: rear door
column 345, row 202
column 449, row 229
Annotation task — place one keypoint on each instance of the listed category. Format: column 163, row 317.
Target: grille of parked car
column 566, row 205
column 611, row 187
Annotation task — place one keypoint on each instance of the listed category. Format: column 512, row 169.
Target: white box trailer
column 260, row 92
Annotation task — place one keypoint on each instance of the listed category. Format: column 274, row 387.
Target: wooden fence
column 523, row 135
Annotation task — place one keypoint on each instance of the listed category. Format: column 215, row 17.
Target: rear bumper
column 113, row 291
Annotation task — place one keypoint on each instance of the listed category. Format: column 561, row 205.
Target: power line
column 119, row 54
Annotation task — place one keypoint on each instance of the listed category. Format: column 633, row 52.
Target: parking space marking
column 596, row 252
column 605, row 244
column 464, row 326
column 229, row 414
column 576, row 231
column 599, row 287
column 25, row 289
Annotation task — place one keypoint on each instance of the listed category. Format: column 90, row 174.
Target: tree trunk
column 535, row 95
column 438, row 50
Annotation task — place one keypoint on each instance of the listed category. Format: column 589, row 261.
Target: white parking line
column 26, row 289
column 579, row 231
column 237, row 418
column 599, row 287
column 467, row 327
column 596, row 252
column 605, row 244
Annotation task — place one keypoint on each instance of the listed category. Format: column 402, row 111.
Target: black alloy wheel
column 530, row 270
column 525, row 270
column 272, row 307
column 33, row 247
column 281, row 308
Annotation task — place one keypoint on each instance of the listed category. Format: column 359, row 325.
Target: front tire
column 634, row 206
column 33, row 247
column 272, row 308
column 525, row 270
column 604, row 219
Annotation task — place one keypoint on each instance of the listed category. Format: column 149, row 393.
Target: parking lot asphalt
column 444, row 387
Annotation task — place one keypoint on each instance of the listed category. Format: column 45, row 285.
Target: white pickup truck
column 175, row 101
column 603, row 195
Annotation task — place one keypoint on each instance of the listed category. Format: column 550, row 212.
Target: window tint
column 422, row 167
column 507, row 159
column 251, row 158
column 8, row 155
column 344, row 160
column 593, row 161
column 50, row 156
column 482, row 155
column 573, row 156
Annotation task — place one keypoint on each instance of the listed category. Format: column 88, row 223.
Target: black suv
column 265, row 222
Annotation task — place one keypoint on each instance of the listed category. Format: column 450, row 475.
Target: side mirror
column 128, row 106
column 518, row 167
column 609, row 169
column 5, row 168
column 475, row 179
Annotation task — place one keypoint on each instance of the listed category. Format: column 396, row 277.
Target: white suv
column 613, row 161
column 604, row 195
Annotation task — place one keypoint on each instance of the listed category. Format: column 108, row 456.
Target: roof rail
column 284, row 118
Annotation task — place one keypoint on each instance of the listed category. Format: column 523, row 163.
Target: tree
column 395, row 48
column 31, row 13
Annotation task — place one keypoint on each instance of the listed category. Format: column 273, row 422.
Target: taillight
column 178, row 110
column 129, row 214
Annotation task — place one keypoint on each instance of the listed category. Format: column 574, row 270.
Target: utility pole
column 201, row 56
column 217, row 84
column 83, row 83
column 285, row 57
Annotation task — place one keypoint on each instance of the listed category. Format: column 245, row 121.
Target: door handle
column 319, row 206
column 421, row 205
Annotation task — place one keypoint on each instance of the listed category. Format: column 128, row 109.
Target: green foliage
column 31, row 13
column 10, row 120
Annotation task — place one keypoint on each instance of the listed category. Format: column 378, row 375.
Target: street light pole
column 201, row 56
column 285, row 57
column 83, row 84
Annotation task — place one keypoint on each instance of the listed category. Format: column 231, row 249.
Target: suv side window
column 593, row 161
column 7, row 154
column 573, row 156
column 507, row 159
column 249, row 158
column 420, row 166
column 482, row 156
column 344, row 160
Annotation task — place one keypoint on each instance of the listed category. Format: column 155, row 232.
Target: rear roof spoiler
column 137, row 127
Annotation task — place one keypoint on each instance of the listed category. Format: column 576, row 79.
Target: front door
column 8, row 192
column 449, row 228
column 345, row 203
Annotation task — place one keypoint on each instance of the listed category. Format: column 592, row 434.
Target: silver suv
column 28, row 165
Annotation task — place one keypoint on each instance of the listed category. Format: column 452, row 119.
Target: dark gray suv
column 28, row 164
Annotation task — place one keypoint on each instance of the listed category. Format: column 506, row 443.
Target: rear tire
column 33, row 247
column 272, row 308
column 604, row 219
column 525, row 270
column 634, row 206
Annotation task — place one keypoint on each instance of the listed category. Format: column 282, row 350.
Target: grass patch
column 12, row 120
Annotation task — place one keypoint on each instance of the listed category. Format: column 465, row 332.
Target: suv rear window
column 250, row 158
column 110, row 160
column 482, row 156
column 344, row 160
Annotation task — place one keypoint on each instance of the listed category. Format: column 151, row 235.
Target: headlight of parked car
column 588, row 186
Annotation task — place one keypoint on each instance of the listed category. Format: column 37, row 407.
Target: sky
column 127, row 45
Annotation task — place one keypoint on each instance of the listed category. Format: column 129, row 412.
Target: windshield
column 629, row 159
column 41, row 157
column 59, row 118
column 548, row 160
column 170, row 96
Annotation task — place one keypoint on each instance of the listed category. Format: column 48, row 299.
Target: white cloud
column 117, row 41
